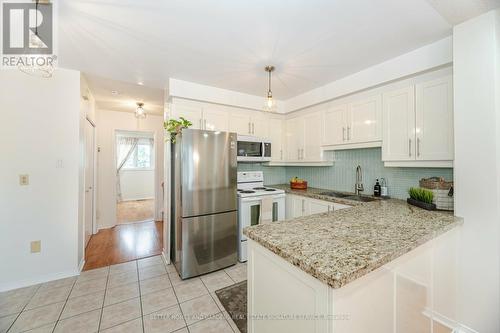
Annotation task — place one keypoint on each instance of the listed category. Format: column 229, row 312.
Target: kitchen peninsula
column 345, row 271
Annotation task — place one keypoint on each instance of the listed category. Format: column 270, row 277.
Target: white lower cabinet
column 298, row 206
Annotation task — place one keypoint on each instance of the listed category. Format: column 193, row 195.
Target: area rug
column 234, row 300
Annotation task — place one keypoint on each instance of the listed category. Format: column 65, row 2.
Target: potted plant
column 421, row 197
column 175, row 126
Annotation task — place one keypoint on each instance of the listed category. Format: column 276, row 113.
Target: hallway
column 123, row 243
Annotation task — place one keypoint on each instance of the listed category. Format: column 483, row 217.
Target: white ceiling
column 227, row 43
column 126, row 95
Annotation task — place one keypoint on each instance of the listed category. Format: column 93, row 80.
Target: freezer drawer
column 208, row 243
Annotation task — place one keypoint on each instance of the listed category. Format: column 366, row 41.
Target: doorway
column 135, row 177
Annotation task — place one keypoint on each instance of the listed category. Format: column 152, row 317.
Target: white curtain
column 125, row 148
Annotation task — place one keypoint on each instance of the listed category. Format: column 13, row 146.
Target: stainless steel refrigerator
column 204, row 223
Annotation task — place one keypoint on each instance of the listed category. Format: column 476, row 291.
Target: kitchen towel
column 266, row 210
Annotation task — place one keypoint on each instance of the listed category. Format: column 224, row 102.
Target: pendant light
column 139, row 112
column 270, row 102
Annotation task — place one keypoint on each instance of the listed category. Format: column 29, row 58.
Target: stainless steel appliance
column 253, row 149
column 204, row 202
column 251, row 194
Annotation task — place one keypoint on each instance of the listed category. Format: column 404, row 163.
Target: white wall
column 39, row 136
column 108, row 122
column 477, row 168
column 137, row 184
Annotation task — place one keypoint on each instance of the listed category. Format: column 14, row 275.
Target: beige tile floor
column 138, row 296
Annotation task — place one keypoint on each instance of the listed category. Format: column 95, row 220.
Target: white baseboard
column 80, row 267
column 165, row 258
column 37, row 280
column 452, row 324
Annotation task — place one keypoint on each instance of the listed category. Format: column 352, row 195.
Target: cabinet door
column 399, row 125
column 240, row 123
column 215, row 119
column 295, row 206
column 334, row 131
column 312, row 137
column 260, row 126
column 276, row 131
column 434, row 120
column 318, row 206
column 365, row 120
column 294, row 138
column 191, row 113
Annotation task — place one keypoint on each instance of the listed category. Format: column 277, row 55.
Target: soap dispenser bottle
column 376, row 189
column 383, row 190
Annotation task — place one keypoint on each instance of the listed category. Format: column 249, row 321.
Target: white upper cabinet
column 249, row 123
column 399, row 125
column 215, row 119
column 418, row 125
column 192, row 113
column 311, row 150
column 276, row 135
column 334, row 123
column 434, row 120
column 294, row 138
column 365, row 120
column 354, row 125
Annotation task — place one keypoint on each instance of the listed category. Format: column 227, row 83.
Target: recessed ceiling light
column 114, row 92
column 140, row 83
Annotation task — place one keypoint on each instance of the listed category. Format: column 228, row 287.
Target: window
column 142, row 157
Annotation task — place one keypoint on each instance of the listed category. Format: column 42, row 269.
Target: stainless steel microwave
column 253, row 149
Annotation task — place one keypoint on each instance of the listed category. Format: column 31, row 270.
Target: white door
column 215, row 120
column 334, row 131
column 366, row 119
column 434, row 124
column 317, row 206
column 294, row 138
column 191, row 113
column 312, row 137
column 89, row 180
column 240, row 123
column 260, row 126
column 399, row 125
column 276, row 130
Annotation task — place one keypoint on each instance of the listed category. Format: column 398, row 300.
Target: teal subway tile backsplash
column 342, row 175
column 272, row 175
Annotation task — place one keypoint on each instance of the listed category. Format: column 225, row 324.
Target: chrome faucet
column 359, row 181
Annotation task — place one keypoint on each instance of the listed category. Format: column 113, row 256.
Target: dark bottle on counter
column 376, row 189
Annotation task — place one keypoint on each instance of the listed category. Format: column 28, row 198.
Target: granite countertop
column 315, row 193
column 341, row 246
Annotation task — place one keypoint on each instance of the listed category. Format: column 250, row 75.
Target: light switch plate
column 24, row 180
column 36, row 246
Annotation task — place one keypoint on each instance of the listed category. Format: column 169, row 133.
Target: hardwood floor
column 124, row 243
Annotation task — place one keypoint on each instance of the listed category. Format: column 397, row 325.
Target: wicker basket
column 441, row 190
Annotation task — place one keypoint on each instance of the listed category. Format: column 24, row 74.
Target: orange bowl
column 298, row 186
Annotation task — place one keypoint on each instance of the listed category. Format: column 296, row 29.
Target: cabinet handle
column 201, row 125
column 205, row 125
column 348, row 133
column 418, row 147
column 343, row 133
column 249, row 128
column 302, row 154
column 253, row 128
column 298, row 154
column 409, row 147
column 281, row 154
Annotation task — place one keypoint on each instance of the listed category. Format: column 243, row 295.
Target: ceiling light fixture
column 270, row 102
column 139, row 112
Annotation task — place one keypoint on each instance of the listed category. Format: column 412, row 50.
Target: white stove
column 251, row 184
column 257, row 204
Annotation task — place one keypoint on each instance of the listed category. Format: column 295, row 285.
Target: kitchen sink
column 335, row 194
column 359, row 198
